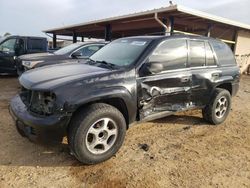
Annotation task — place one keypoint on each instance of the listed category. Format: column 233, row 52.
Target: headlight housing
column 30, row 64
column 43, row 103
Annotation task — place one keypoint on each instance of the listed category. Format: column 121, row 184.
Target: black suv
column 129, row 80
column 70, row 53
column 13, row 46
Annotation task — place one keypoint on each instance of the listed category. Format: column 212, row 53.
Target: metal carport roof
column 142, row 23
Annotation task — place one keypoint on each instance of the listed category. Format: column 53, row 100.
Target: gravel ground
column 183, row 151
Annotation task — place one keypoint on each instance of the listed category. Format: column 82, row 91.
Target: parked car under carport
column 71, row 53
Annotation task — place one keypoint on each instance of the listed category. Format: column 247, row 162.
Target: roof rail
column 163, row 33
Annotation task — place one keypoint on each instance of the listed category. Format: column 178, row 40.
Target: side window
column 171, row 53
column 90, row 50
column 36, row 45
column 197, row 56
column 209, row 55
column 8, row 46
column 223, row 52
column 20, row 47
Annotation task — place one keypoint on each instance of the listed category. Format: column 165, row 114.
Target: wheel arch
column 116, row 102
column 227, row 86
column 118, row 98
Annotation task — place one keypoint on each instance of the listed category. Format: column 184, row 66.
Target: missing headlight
column 43, row 103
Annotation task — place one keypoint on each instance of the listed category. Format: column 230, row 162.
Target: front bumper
column 39, row 129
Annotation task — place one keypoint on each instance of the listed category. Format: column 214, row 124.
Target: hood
column 49, row 77
column 40, row 56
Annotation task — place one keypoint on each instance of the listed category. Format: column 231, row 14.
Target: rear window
column 223, row 52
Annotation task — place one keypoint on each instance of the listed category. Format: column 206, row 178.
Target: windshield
column 121, row 52
column 67, row 49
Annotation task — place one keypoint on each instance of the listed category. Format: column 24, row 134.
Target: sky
column 31, row 17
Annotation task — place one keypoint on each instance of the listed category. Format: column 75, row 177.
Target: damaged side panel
column 107, row 86
column 168, row 92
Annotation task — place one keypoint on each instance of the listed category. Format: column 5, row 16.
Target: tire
column 89, row 139
column 218, row 109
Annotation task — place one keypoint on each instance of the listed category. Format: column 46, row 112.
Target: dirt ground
column 184, row 151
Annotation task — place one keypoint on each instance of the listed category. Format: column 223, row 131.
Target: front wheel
column 217, row 111
column 96, row 133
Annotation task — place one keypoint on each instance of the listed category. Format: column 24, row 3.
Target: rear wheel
column 217, row 111
column 96, row 133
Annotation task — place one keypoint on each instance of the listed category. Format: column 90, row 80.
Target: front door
column 7, row 54
column 169, row 90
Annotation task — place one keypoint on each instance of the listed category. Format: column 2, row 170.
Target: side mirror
column 154, row 67
column 76, row 54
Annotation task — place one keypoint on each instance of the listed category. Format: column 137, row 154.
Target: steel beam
column 208, row 32
column 164, row 21
column 74, row 37
column 171, row 24
column 54, row 41
column 108, row 32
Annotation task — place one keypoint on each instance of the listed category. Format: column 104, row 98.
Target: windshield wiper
column 107, row 64
column 91, row 61
column 110, row 65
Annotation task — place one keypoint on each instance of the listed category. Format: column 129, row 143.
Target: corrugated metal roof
column 213, row 17
column 178, row 8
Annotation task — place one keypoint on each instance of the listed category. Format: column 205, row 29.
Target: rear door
column 204, row 70
column 169, row 90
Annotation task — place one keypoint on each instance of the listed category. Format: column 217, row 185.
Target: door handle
column 216, row 75
column 185, row 79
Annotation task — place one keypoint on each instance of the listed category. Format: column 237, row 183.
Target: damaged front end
column 38, row 117
column 38, row 102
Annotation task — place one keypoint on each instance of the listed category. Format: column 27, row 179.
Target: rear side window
column 210, row 61
column 223, row 52
column 171, row 53
column 36, row 45
column 197, row 53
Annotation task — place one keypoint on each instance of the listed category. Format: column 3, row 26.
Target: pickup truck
column 13, row 46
